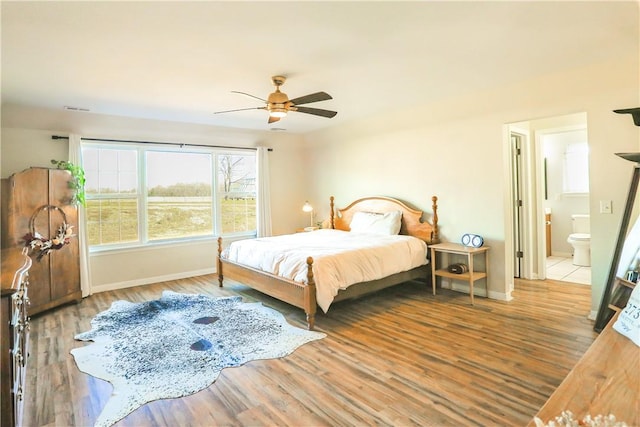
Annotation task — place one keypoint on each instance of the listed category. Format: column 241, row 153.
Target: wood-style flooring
column 400, row 357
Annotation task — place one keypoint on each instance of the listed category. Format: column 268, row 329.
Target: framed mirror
column 625, row 263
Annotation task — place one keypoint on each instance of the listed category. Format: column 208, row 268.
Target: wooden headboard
column 411, row 218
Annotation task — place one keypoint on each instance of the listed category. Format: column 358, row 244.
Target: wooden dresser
column 605, row 381
column 38, row 200
column 15, row 334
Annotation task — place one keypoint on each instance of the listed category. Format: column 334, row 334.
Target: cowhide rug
column 177, row 345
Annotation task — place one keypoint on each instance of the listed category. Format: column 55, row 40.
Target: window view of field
column 238, row 215
column 179, row 210
column 115, row 221
column 112, row 221
column 174, row 209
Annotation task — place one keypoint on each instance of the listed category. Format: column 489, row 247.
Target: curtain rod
column 181, row 144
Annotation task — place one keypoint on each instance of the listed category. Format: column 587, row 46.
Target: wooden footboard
column 301, row 295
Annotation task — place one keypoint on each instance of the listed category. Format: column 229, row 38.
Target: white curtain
column 75, row 157
column 264, row 194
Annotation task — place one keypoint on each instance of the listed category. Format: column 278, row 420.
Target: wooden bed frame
column 303, row 295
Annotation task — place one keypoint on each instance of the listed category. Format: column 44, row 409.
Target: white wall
column 26, row 142
column 453, row 149
column 456, row 150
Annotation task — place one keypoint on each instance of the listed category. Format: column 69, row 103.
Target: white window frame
column 143, row 238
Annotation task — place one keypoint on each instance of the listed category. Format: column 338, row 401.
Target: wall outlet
column 605, row 206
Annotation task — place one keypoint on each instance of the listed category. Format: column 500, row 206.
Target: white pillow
column 376, row 223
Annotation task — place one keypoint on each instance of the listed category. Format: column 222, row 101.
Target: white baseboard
column 149, row 280
column 479, row 291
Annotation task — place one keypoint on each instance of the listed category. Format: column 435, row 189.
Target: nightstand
column 470, row 276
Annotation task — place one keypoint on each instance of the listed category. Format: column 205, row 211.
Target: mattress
column 340, row 258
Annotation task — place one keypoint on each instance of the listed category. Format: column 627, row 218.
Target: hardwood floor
column 399, row 357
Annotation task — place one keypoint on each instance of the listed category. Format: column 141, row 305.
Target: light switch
column 605, row 206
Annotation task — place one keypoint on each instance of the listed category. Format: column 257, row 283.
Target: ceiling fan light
column 278, row 112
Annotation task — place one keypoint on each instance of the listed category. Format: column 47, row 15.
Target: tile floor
column 560, row 268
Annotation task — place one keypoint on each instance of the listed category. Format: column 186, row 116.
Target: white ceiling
column 179, row 60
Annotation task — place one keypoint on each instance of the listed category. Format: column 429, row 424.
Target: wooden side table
column 470, row 276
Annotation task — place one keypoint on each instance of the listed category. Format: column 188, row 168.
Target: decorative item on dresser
column 302, row 286
column 15, row 334
column 37, row 212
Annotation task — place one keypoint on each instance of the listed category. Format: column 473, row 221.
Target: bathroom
column 566, row 205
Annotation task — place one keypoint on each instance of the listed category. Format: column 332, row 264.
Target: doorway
column 542, row 204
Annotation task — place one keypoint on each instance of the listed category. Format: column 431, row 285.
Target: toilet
column 580, row 239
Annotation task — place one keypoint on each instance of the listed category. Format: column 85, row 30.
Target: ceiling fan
column 278, row 103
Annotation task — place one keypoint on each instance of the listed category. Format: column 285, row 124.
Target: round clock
column 472, row 240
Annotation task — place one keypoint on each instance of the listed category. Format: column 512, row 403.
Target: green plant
column 78, row 181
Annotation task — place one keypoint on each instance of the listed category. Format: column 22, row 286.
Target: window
column 179, row 202
column 145, row 194
column 237, row 192
column 576, row 168
column 112, row 191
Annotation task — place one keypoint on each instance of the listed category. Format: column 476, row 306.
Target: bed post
column 220, row 277
column 310, row 295
column 331, row 213
column 434, row 208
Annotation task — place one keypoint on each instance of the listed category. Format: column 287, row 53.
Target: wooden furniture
column 605, row 381
column 303, row 295
column 470, row 276
column 620, row 294
column 6, row 363
column 15, row 334
column 37, row 200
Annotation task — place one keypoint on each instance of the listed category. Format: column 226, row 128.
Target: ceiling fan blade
column 249, row 95
column 315, row 111
column 273, row 119
column 314, row 97
column 239, row 109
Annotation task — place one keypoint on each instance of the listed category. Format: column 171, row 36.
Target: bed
column 302, row 288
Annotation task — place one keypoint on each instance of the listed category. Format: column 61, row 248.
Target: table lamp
column 308, row 208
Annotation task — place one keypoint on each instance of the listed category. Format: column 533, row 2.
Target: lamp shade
column 307, row 207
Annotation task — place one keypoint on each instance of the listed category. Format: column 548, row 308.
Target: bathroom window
column 576, row 168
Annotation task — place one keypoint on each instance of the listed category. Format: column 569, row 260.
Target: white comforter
column 340, row 258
